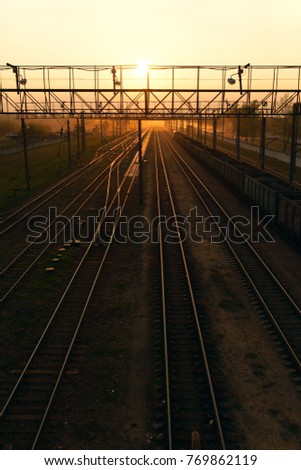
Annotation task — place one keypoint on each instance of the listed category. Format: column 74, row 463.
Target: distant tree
column 250, row 125
column 249, row 120
column 36, row 131
column 230, row 122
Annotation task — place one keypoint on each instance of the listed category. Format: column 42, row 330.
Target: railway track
column 29, row 208
column 280, row 308
column 28, row 405
column 191, row 408
column 18, row 267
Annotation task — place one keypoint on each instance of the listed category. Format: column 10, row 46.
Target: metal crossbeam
column 156, row 92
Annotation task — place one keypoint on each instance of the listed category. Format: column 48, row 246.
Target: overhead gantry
column 151, row 92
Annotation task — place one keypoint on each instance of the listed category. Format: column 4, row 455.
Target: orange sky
column 158, row 32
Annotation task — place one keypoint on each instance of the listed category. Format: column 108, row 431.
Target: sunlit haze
column 157, row 32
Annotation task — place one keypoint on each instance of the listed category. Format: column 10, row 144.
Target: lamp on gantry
column 240, row 71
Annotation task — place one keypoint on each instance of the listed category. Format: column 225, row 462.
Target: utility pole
column 78, row 138
column 262, row 142
column 238, row 136
column 100, row 129
column 214, row 123
column 201, row 130
column 83, row 129
column 140, row 161
column 294, row 141
column 27, row 176
column 147, row 93
column 223, row 128
column 198, row 130
column 69, row 142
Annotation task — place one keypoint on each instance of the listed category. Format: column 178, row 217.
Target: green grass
column 46, row 166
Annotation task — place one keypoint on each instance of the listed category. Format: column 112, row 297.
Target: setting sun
column 142, row 69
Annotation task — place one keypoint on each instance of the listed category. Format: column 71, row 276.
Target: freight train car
column 273, row 195
column 289, row 214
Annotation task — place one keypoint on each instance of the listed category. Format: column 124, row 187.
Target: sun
column 142, row 69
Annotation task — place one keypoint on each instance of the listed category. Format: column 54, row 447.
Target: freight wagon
column 273, row 195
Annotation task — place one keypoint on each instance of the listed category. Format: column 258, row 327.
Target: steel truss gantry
column 148, row 92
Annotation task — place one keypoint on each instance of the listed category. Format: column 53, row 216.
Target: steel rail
column 65, row 208
column 225, row 214
column 162, row 274
column 58, row 187
column 118, row 215
column 193, row 305
column 132, row 172
column 63, row 180
column 110, row 167
column 241, row 263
